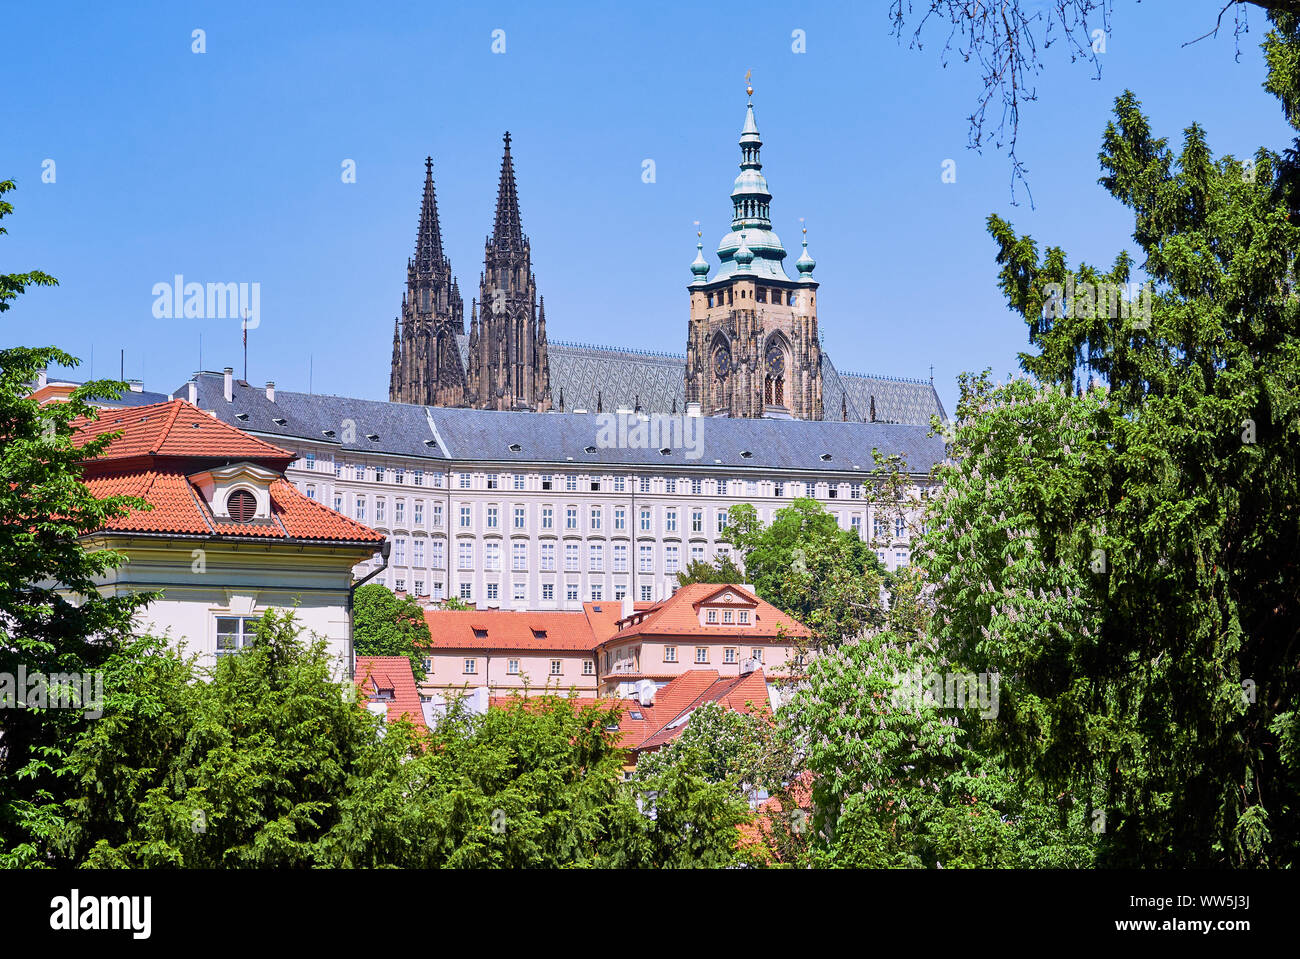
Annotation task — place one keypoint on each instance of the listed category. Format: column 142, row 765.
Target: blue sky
column 225, row 167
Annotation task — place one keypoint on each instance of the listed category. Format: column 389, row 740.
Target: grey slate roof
column 438, row 434
column 898, row 400
column 619, row 379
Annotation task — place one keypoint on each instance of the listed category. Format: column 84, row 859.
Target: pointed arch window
column 774, row 379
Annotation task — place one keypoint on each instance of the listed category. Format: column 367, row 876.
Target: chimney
column 692, row 409
column 136, row 386
column 229, row 373
column 627, row 605
column 192, row 389
column 42, row 377
column 270, row 390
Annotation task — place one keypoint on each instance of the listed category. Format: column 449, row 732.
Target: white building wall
column 368, row 489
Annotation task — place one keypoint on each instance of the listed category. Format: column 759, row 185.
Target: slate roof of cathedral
column 619, row 378
column 442, row 433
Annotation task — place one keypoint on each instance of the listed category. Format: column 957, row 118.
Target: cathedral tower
column 752, row 347
column 426, row 361
column 508, row 364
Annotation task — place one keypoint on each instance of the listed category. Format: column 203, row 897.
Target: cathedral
column 752, row 343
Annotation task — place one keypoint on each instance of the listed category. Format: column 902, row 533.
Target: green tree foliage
column 266, row 762
column 53, row 622
column 240, row 767
column 383, row 625
column 1127, row 559
column 805, row 565
column 734, row 747
column 701, row 571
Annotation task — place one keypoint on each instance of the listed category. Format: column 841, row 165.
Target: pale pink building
column 614, row 649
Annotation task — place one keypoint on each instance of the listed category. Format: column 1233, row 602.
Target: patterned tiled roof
column 897, row 400
column 616, row 379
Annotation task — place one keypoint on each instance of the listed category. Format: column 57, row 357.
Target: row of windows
column 573, row 482
column 548, row 554
column 519, row 591
column 512, row 667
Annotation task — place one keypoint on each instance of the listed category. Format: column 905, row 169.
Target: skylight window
column 279, row 421
column 590, row 449
column 745, row 454
column 515, row 448
column 665, row 451
column 242, row 417
column 372, row 436
column 327, row 433
column 826, row 457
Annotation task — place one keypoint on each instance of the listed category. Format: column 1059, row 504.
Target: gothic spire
column 507, row 232
column 428, row 241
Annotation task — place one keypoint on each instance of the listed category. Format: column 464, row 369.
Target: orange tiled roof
column 678, row 615
column 648, row 727
column 162, row 444
column 744, row 694
column 508, row 629
column 391, row 673
column 175, row 428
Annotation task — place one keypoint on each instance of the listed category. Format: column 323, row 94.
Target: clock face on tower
column 721, row 363
column 775, row 363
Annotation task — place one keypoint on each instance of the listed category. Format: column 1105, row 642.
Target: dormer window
column 241, row 505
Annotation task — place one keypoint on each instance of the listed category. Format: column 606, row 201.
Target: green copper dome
column 805, row 264
column 699, row 266
column 761, row 251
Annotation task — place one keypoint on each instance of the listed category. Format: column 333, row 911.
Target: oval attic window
column 242, row 505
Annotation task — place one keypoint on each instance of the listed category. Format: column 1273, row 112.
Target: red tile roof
column 649, row 727
column 394, row 674
column 744, row 694
column 507, row 629
column 163, row 444
column 175, row 428
column 678, row 615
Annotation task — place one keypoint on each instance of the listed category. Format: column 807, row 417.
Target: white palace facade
column 525, row 510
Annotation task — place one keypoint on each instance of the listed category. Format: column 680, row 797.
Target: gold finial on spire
column 804, row 225
column 698, row 231
column 749, row 87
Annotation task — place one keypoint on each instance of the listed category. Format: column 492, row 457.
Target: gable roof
column 747, row 693
column 174, row 428
column 509, row 630
column 393, row 673
column 162, row 445
column 678, row 616
column 649, row 727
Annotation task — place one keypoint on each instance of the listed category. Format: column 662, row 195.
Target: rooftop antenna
column 200, row 352
column 121, row 369
column 311, row 362
column 244, row 324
